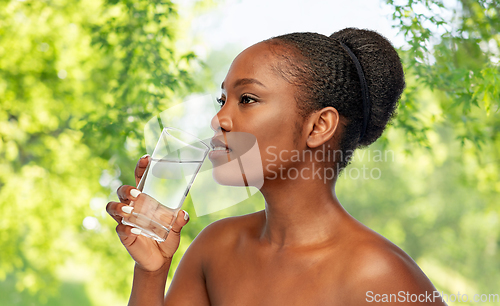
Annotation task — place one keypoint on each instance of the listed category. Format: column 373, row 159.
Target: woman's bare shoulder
column 212, row 245
column 227, row 231
column 378, row 266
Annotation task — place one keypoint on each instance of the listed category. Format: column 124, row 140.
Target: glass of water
column 172, row 168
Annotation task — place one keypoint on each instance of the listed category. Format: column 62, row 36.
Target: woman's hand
column 148, row 254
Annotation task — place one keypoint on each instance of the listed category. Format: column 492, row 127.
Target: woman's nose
column 221, row 121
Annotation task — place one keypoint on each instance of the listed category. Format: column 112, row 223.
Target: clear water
column 169, row 181
column 165, row 185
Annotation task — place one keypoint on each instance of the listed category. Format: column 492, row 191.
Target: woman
column 297, row 92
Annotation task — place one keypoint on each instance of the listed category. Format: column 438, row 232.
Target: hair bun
column 325, row 74
column 383, row 73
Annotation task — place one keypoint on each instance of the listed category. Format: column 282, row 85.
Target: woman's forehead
column 256, row 62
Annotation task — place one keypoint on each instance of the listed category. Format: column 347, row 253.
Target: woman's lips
column 219, row 149
column 218, row 152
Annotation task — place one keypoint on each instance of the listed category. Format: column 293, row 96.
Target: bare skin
column 303, row 249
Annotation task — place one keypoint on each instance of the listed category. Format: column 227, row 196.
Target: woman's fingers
column 182, row 219
column 170, row 245
column 127, row 234
column 141, row 166
column 118, row 210
column 127, row 193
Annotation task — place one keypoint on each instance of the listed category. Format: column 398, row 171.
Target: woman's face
column 257, row 105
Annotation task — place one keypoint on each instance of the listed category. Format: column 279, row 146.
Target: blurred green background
column 78, row 79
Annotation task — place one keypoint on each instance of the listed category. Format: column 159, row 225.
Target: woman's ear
column 322, row 126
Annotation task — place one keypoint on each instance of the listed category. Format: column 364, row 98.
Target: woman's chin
column 236, row 178
column 230, row 169
column 227, row 179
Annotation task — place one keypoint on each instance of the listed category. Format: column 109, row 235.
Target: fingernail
column 136, row 231
column 127, row 209
column 186, row 215
column 135, row 192
column 144, row 156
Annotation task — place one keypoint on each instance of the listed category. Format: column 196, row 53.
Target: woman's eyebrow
column 245, row 81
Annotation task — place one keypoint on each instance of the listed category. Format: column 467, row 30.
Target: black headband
column 364, row 89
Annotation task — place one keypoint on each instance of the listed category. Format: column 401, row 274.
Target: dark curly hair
column 326, row 75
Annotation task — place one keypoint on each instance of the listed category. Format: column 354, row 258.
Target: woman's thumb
column 182, row 219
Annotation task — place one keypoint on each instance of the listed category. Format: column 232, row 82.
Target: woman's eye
column 247, row 99
column 221, row 102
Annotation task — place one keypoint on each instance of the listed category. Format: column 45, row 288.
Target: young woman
column 296, row 92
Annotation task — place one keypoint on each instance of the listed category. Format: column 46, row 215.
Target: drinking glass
column 172, row 168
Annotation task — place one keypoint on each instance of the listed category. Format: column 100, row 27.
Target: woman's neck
column 301, row 213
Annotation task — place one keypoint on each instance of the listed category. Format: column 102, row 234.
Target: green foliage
column 77, row 81
column 457, row 57
column 443, row 202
